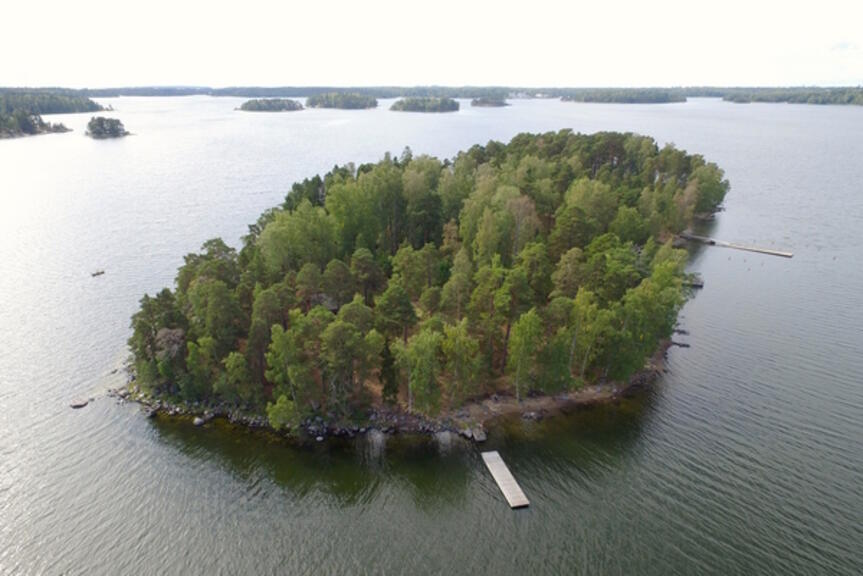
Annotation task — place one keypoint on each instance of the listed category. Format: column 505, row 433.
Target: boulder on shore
column 479, row 434
column 198, row 421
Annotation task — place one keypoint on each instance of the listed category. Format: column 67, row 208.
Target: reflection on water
column 433, row 469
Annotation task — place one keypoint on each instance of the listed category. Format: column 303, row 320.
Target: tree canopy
column 536, row 265
column 101, row 127
column 345, row 100
column 21, row 110
column 425, row 104
column 270, row 105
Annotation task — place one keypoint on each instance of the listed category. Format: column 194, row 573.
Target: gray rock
column 198, row 421
column 479, row 434
column 319, row 439
column 79, row 404
column 467, row 433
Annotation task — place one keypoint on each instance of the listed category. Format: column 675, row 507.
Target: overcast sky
column 448, row 42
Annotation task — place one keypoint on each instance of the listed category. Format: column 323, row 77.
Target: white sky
column 101, row 43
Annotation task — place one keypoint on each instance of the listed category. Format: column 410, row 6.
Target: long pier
column 734, row 245
column 507, row 484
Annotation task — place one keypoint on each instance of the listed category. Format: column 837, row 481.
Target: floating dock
column 507, row 484
column 713, row 242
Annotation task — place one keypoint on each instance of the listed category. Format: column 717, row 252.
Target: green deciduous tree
column 525, row 343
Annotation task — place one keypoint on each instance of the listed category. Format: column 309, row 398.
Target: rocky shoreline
column 469, row 421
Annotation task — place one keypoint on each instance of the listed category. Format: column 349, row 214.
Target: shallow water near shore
column 746, row 457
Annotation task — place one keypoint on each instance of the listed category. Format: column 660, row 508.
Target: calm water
column 747, row 457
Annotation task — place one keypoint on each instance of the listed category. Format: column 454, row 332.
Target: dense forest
column 534, row 266
column 624, row 95
column 425, row 104
column 795, row 94
column 344, row 100
column 488, row 102
column 101, row 127
column 815, row 95
column 21, row 110
column 271, row 105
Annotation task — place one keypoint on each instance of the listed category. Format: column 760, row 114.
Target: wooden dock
column 507, row 484
column 713, row 242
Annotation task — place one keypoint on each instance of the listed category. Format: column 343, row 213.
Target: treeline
column 343, row 100
column 488, row 102
column 624, row 95
column 101, row 127
column 798, row 94
column 45, row 101
column 305, row 91
column 425, row 104
column 271, row 105
column 538, row 265
column 852, row 96
column 20, row 111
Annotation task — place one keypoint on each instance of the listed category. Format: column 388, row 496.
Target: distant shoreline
column 824, row 95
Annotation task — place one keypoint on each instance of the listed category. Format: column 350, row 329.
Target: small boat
column 97, row 273
column 79, row 404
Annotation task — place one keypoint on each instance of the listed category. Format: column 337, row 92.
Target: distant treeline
column 799, row 94
column 21, row 110
column 425, row 104
column 488, row 102
column 101, row 127
column 271, row 105
column 345, row 100
column 625, row 95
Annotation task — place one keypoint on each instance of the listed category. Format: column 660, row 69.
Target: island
column 624, row 95
column 425, row 104
column 423, row 295
column 489, row 102
column 343, row 100
column 271, row 105
column 100, row 127
column 21, row 110
column 798, row 95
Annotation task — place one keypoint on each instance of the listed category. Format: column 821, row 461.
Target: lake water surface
column 746, row 457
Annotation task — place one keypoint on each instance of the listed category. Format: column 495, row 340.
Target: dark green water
column 745, row 458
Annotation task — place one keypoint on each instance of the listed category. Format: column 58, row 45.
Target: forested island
column 100, row 127
column 624, row 95
column 813, row 95
column 21, row 111
column 534, row 267
column 425, row 104
column 343, row 100
column 489, row 102
column 271, row 105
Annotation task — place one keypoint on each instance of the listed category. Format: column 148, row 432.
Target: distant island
column 416, row 292
column 343, row 100
column 100, row 127
column 625, row 96
column 21, row 111
column 814, row 95
column 489, row 102
column 425, row 104
column 366, row 96
column 271, row 105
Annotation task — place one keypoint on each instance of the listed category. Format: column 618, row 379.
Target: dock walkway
column 507, row 484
